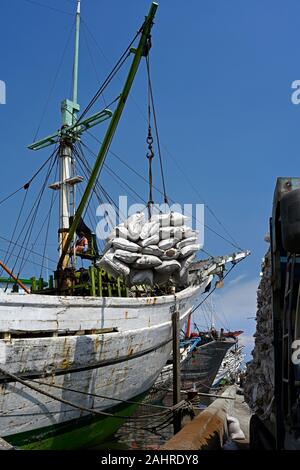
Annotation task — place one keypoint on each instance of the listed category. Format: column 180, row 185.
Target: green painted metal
column 76, row 57
column 68, row 110
column 100, row 290
column 109, row 289
column 34, row 285
column 81, row 433
column 92, row 280
column 111, row 129
column 72, row 131
column 9, row 280
column 119, row 287
column 92, row 121
column 45, row 142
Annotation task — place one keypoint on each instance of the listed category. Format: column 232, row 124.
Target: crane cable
column 150, row 154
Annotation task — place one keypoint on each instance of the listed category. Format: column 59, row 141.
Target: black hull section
column 203, row 365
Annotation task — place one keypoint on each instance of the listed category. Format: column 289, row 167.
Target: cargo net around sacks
column 154, row 253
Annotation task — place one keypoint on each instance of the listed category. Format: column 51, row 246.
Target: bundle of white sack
column 155, row 251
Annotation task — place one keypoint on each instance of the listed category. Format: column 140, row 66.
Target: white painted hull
column 55, row 340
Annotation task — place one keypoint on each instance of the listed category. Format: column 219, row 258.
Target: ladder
column 290, row 316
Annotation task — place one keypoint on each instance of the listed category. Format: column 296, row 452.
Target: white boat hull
column 58, row 341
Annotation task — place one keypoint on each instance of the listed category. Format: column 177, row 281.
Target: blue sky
column 222, row 74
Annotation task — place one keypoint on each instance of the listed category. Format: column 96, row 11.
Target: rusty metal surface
column 208, row 430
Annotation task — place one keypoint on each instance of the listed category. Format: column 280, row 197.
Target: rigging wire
column 30, row 221
column 8, row 253
column 157, row 189
column 14, row 256
column 93, row 64
column 110, row 76
column 25, row 187
column 211, row 211
column 29, row 232
column 53, row 198
column 151, row 100
column 54, row 82
column 213, row 290
column 234, row 242
column 80, row 407
column 43, row 5
column 98, row 185
column 30, row 251
column 11, row 195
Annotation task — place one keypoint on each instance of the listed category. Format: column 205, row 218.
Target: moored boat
column 78, row 348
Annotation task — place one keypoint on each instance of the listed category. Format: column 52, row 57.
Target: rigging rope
column 30, row 251
column 209, row 294
column 35, row 212
column 30, row 221
column 33, row 2
column 53, row 199
column 157, row 189
column 80, row 407
column 25, row 187
column 110, row 76
column 44, row 110
column 233, row 242
column 151, row 100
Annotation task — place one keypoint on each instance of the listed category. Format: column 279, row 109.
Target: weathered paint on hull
column 204, row 363
column 78, row 434
column 44, row 345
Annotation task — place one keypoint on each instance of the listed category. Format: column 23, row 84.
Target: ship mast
column 69, row 111
column 138, row 53
column 70, row 132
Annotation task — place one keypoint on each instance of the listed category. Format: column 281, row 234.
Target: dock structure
column 209, row 430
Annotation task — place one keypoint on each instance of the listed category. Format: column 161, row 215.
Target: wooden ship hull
column 204, row 363
column 110, row 347
column 231, row 365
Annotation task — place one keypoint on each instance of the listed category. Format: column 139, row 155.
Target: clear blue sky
column 222, row 74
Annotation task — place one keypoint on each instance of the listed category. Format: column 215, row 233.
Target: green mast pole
column 76, row 55
column 69, row 111
column 138, row 53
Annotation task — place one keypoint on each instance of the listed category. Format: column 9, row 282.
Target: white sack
column 113, row 266
column 168, row 243
column 135, row 224
column 118, row 232
column 126, row 256
column 189, row 250
column 149, row 241
column 184, row 271
column 171, row 232
column 186, row 241
column 174, row 219
column 153, row 250
column 147, row 261
column 188, row 231
column 122, row 244
column 149, row 229
column 141, row 277
column 168, row 266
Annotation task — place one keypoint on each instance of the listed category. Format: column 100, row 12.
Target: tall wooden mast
column 69, row 111
column 138, row 53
